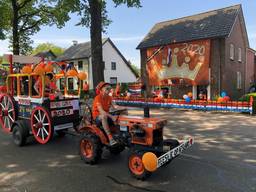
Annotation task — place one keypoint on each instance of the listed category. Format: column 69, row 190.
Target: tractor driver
column 100, row 109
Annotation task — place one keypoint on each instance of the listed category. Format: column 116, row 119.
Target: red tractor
column 143, row 136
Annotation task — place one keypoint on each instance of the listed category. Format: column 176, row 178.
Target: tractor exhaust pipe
column 146, row 111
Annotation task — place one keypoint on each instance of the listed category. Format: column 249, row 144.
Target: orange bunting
column 72, row 73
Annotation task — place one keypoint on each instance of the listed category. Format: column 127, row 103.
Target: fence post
column 252, row 105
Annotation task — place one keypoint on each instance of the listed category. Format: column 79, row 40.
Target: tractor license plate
column 174, row 152
column 62, row 112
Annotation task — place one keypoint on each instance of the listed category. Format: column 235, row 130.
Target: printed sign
column 187, row 61
column 60, row 104
column 24, row 101
column 62, row 112
column 173, row 153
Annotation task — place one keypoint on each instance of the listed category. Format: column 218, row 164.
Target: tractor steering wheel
column 118, row 112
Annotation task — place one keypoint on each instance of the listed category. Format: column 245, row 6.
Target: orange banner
column 187, row 61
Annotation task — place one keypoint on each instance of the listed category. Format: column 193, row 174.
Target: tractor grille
column 157, row 137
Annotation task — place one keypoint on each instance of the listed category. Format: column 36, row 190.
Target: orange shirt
column 105, row 102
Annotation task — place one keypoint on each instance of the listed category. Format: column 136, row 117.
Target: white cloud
column 4, row 47
column 63, row 42
column 135, row 38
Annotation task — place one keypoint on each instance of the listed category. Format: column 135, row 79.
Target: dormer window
column 232, row 51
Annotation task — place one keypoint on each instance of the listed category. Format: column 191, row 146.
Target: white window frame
column 80, row 68
column 232, row 51
column 113, row 66
column 239, row 54
column 239, row 80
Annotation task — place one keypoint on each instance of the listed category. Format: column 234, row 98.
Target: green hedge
column 247, row 97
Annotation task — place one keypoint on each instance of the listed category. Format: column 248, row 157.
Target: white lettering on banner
column 173, row 153
column 59, row 104
column 24, row 101
column 62, row 112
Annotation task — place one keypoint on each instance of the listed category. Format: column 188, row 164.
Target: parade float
column 39, row 111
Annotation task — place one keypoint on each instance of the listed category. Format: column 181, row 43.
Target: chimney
column 75, row 42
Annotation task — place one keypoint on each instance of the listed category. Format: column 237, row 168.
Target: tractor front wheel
column 90, row 148
column 136, row 166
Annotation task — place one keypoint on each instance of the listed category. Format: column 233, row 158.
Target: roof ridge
column 237, row 5
column 103, row 40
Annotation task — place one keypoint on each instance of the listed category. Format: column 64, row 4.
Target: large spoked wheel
column 90, row 148
column 7, row 112
column 41, row 125
column 136, row 166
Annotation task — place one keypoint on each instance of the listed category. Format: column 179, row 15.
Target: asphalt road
column 223, row 158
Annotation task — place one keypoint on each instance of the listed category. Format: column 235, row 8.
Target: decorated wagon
column 41, row 99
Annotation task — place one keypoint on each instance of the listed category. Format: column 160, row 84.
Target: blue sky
column 130, row 25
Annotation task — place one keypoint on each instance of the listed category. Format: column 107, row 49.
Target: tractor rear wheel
column 136, row 166
column 90, row 148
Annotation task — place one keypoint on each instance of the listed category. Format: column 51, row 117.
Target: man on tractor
column 100, row 109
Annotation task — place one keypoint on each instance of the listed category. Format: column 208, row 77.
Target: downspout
column 219, row 74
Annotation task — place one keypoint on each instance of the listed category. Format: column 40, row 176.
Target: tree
column 94, row 15
column 23, row 18
column 48, row 46
column 135, row 68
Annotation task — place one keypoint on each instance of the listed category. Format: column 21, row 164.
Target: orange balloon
column 220, row 100
column 190, row 94
column 48, row 68
column 71, row 73
column 149, row 161
column 82, row 75
column 26, row 69
column 39, row 70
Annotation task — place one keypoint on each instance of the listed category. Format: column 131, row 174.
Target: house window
column 70, row 83
column 239, row 54
column 113, row 80
column 113, row 65
column 232, row 51
column 80, row 65
column 239, row 80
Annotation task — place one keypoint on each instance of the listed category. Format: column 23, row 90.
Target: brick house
column 210, row 50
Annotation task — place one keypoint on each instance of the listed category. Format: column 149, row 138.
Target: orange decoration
column 26, row 69
column 220, row 100
column 71, row 73
column 39, row 70
column 149, row 161
column 48, row 68
column 190, row 94
column 82, row 75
